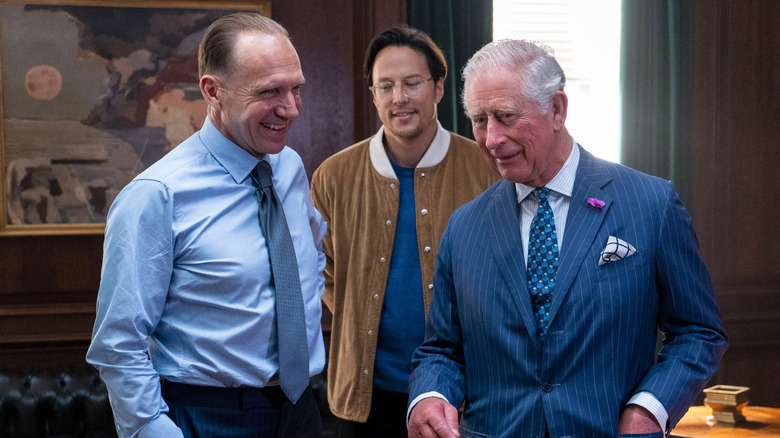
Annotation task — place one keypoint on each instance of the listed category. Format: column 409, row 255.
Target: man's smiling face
column 261, row 98
column 520, row 142
column 406, row 118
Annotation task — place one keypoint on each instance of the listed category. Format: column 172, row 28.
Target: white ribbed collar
column 433, row 156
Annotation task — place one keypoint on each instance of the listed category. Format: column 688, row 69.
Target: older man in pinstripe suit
column 574, row 355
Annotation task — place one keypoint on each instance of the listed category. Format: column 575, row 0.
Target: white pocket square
column 616, row 249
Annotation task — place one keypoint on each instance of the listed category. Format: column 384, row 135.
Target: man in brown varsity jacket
column 387, row 200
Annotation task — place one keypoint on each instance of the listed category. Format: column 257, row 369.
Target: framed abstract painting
column 92, row 93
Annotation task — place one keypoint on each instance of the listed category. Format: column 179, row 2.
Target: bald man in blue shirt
column 187, row 280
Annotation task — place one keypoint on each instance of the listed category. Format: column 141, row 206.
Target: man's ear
column 208, row 88
column 560, row 106
column 439, row 89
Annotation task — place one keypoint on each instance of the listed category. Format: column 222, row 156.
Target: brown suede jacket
column 357, row 193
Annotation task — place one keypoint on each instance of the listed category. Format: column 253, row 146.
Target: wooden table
column 759, row 422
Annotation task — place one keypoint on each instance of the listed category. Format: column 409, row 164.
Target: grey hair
column 540, row 74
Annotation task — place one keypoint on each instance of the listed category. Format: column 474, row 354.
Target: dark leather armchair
column 69, row 403
column 73, row 403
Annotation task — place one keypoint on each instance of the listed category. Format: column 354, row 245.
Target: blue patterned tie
column 290, row 318
column 542, row 261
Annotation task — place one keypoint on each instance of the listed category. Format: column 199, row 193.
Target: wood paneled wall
column 736, row 160
column 48, row 286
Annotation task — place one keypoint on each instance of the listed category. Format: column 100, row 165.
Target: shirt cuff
column 160, row 426
column 418, row 399
column 647, row 400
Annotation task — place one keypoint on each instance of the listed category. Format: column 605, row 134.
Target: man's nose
column 495, row 133
column 290, row 105
column 399, row 94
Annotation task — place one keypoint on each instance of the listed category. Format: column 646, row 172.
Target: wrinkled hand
column 433, row 417
column 636, row 419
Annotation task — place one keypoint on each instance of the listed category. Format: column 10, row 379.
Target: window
column 585, row 36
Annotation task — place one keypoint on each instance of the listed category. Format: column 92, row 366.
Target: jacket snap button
column 546, row 387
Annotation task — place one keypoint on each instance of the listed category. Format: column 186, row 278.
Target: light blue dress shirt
column 186, row 276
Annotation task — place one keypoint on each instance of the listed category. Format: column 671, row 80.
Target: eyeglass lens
column 411, row 87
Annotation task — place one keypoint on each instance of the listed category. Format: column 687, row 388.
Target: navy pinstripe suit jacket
column 480, row 342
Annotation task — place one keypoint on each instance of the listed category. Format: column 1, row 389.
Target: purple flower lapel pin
column 596, row 203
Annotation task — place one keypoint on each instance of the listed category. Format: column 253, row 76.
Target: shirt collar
column 433, row 156
column 562, row 183
column 238, row 162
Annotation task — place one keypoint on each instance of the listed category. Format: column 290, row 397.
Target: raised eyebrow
column 380, row 80
column 261, row 88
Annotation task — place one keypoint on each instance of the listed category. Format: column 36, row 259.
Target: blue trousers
column 210, row 412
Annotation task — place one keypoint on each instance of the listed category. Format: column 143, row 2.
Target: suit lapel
column 582, row 224
column 505, row 222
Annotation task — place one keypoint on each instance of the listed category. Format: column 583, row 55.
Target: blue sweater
column 402, row 324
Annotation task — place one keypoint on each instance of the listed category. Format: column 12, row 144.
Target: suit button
column 547, row 387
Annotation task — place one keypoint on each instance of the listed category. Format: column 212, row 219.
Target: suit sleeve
column 688, row 316
column 438, row 364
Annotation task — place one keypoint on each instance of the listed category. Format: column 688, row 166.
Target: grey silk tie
column 290, row 317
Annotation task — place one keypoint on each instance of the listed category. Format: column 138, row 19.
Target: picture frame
column 91, row 93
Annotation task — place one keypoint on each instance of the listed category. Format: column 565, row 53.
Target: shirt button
column 388, row 222
column 427, row 249
column 547, row 387
column 424, row 211
column 392, row 185
column 370, row 332
column 365, row 372
column 382, row 259
column 430, row 286
column 422, row 174
column 376, row 296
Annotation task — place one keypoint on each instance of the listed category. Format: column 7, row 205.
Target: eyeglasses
column 410, row 87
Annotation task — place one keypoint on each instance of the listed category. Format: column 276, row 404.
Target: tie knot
column 541, row 193
column 263, row 174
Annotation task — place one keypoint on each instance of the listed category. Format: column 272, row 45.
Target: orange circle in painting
column 43, row 82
